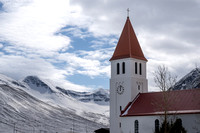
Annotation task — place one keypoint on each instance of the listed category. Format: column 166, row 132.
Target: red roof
column 128, row 45
column 179, row 102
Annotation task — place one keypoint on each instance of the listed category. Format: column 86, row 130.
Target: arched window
column 117, row 68
column 157, row 126
column 140, row 68
column 136, row 126
column 135, row 67
column 123, row 67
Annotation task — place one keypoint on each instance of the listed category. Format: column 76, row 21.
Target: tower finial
column 128, row 12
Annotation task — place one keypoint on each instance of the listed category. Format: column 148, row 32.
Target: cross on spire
column 128, row 12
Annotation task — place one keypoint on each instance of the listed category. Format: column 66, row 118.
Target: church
column 132, row 108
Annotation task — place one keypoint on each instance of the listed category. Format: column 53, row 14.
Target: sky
column 70, row 42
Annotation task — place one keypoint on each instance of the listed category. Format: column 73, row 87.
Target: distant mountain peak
column 189, row 81
column 34, row 82
column 102, row 91
column 99, row 96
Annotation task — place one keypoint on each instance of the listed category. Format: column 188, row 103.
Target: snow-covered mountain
column 36, row 84
column 38, row 105
column 189, row 81
column 100, row 96
column 97, row 102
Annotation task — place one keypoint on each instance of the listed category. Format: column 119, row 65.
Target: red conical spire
column 128, row 45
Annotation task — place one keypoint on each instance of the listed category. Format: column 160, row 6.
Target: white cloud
column 19, row 67
column 101, row 54
column 35, row 25
column 77, row 32
column 175, row 53
column 168, row 32
column 86, row 65
column 31, row 28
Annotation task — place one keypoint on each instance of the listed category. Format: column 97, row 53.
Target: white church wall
column 130, row 81
column 191, row 122
column 130, row 68
column 146, row 124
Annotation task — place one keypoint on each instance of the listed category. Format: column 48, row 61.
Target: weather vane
column 128, row 12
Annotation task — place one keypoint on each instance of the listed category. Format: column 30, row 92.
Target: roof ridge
column 129, row 105
column 129, row 37
column 193, row 89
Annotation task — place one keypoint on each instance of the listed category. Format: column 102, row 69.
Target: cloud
column 34, row 24
column 168, row 32
column 76, row 32
column 19, row 67
column 101, row 54
column 86, row 63
column 33, row 32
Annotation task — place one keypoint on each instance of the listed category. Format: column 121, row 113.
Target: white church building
column 132, row 108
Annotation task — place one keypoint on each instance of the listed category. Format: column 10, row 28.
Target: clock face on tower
column 120, row 89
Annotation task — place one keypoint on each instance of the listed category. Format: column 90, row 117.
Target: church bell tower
column 128, row 75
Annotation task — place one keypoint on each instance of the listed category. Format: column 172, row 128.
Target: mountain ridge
column 99, row 96
column 189, row 81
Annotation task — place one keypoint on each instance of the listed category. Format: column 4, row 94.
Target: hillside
column 22, row 111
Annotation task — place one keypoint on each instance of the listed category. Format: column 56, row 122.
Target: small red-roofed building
column 132, row 108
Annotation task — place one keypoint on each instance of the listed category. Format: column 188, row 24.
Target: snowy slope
column 23, row 113
column 189, row 81
column 50, row 94
column 100, row 96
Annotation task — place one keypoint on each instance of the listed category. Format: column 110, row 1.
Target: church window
column 140, row 68
column 117, row 68
column 120, row 125
column 120, row 108
column 123, row 67
column 138, row 87
column 156, row 125
column 135, row 67
column 136, row 126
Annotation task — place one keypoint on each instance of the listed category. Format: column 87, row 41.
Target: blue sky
column 70, row 42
